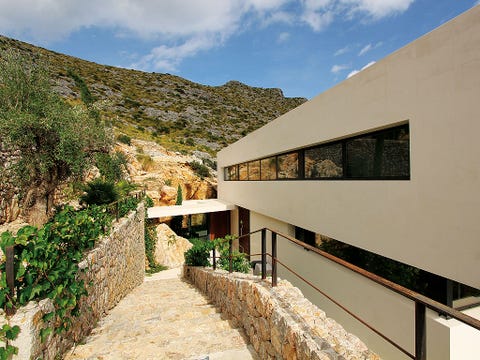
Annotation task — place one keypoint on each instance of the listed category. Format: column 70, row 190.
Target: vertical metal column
column 420, row 332
column 264, row 254
column 274, row 259
column 230, row 252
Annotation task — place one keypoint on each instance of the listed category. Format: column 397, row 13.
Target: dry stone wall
column 279, row 321
column 114, row 267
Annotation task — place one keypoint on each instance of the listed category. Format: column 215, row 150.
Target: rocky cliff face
column 160, row 172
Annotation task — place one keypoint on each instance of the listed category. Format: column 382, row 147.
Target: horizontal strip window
column 379, row 155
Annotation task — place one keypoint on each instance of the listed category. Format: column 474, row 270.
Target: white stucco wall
column 430, row 221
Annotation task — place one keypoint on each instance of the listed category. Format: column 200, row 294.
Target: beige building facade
column 387, row 161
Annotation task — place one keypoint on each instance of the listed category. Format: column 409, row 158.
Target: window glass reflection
column 324, row 162
column 254, row 170
column 288, row 166
column 269, row 168
column 243, row 171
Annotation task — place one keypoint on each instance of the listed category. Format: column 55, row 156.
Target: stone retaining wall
column 279, row 321
column 115, row 266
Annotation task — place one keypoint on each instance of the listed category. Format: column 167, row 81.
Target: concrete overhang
column 190, row 207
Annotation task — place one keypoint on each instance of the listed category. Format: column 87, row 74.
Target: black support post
column 230, row 252
column 274, row 259
column 264, row 254
column 420, row 332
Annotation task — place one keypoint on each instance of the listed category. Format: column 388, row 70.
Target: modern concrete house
column 387, row 161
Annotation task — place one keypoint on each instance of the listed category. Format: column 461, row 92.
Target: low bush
column 99, row 192
column 111, row 166
column 199, row 253
column 201, row 170
column 125, row 139
column 240, row 261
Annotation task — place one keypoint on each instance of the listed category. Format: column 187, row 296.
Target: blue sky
column 303, row 47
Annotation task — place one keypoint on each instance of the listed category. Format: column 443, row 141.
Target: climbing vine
column 46, row 265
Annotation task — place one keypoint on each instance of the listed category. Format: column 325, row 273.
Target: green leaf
column 44, row 333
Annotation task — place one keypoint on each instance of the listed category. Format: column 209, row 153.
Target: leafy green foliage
column 124, row 188
column 199, row 253
column 150, row 241
column 126, row 205
column 85, row 93
column 99, row 192
column 240, row 261
column 111, row 166
column 179, row 196
column 125, row 139
column 201, row 170
column 55, row 141
column 46, row 263
column 8, row 333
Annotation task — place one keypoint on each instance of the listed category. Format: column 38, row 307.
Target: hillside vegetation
column 174, row 112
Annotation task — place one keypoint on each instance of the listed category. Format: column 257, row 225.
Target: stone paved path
column 164, row 318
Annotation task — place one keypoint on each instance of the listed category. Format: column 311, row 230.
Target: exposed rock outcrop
column 170, row 247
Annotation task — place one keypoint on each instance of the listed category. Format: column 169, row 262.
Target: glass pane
column 288, row 166
column 269, row 168
column 396, row 153
column 380, row 155
column 243, row 171
column 324, row 162
column 254, row 170
column 231, row 173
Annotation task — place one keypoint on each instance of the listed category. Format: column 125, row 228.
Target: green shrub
column 199, row 253
column 201, row 170
column 111, row 167
column 124, row 188
column 240, row 261
column 99, row 192
column 85, row 93
column 125, row 139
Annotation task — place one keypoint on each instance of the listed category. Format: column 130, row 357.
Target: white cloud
column 320, row 13
column 283, row 37
column 365, row 49
column 354, row 72
column 369, row 47
column 180, row 28
column 342, row 51
column 338, row 68
column 377, row 8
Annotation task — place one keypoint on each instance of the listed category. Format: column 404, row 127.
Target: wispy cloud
column 283, row 37
column 342, row 51
column 338, row 68
column 369, row 47
column 321, row 13
column 365, row 49
column 354, row 72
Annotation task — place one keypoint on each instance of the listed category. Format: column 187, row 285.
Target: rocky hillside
column 179, row 114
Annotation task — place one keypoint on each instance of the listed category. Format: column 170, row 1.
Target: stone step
column 164, row 319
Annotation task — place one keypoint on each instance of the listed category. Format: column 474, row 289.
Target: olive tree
column 52, row 140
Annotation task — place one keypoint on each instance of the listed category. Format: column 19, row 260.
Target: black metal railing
column 421, row 302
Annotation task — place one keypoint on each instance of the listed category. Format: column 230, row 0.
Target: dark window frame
column 301, row 160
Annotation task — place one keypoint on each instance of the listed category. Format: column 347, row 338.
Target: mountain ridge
column 177, row 113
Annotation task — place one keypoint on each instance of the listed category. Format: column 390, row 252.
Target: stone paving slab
column 164, row 318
